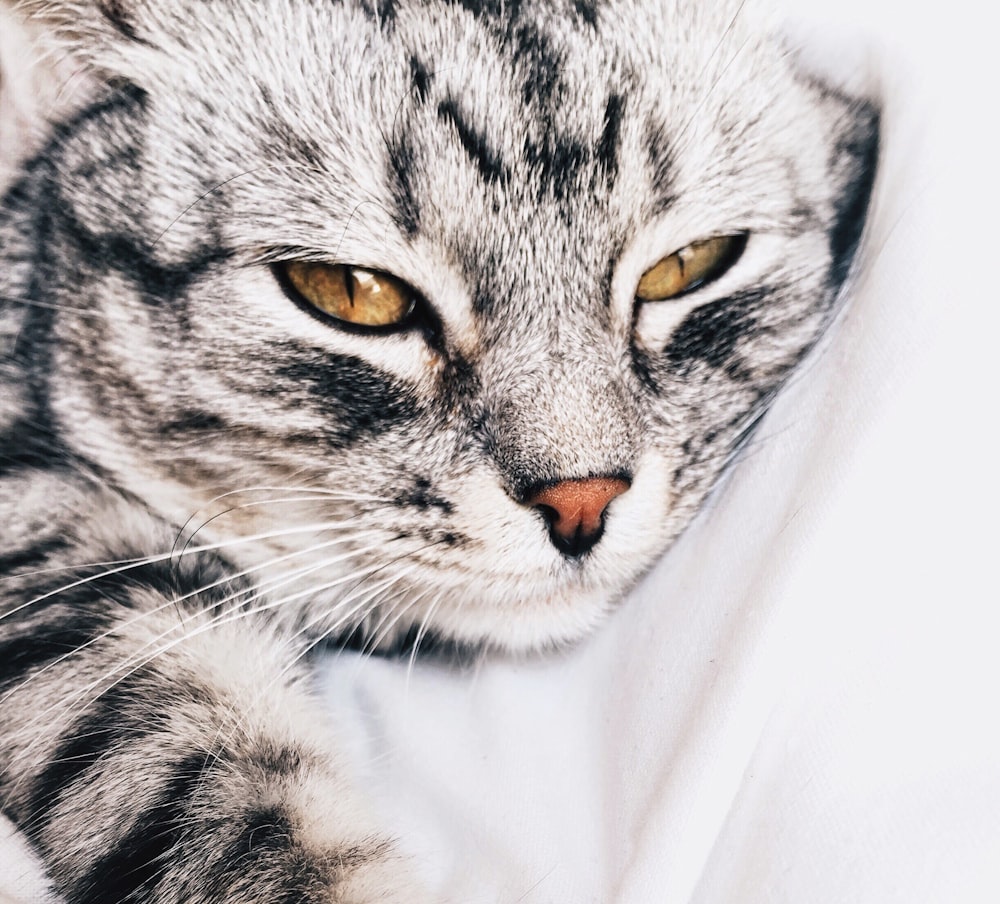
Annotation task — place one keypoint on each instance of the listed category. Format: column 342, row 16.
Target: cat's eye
column 691, row 267
column 363, row 298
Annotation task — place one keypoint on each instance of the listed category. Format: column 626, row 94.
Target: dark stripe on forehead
column 556, row 162
column 607, row 148
column 487, row 161
column 587, row 10
column 116, row 13
column 421, row 79
column 400, row 165
column 508, row 9
column 381, row 11
column 660, row 156
column 534, row 53
column 539, row 63
column 280, row 138
column 553, row 163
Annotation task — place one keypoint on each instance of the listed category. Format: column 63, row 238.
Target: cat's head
column 462, row 307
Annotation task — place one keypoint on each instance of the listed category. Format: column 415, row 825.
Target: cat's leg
column 159, row 745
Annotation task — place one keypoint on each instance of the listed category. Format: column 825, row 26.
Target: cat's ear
column 115, row 38
column 87, row 23
column 37, row 86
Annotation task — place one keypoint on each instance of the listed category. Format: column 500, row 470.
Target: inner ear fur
column 38, row 85
column 104, row 40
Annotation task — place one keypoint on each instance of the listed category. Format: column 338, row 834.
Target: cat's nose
column 574, row 510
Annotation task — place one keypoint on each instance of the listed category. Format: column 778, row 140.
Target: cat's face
column 521, row 435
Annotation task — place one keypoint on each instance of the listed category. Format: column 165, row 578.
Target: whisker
column 421, row 632
column 343, row 523
column 384, row 626
column 311, row 494
column 711, row 88
column 81, row 698
column 359, row 601
column 34, row 303
column 162, row 557
column 268, row 166
column 269, row 584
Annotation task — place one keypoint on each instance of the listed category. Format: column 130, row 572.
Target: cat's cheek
column 640, row 520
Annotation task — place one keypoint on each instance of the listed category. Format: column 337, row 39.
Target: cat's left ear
column 113, row 38
column 37, row 86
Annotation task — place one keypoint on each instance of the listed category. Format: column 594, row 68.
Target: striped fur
column 200, row 480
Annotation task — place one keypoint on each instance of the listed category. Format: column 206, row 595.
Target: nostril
column 574, row 510
column 549, row 513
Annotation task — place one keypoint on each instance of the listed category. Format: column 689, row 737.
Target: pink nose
column 575, row 510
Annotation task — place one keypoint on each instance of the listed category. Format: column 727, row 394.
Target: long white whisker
column 306, row 495
column 359, row 601
column 163, row 557
column 82, row 698
column 153, row 558
column 421, row 631
column 385, row 626
column 269, row 584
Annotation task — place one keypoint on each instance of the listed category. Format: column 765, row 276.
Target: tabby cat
column 382, row 321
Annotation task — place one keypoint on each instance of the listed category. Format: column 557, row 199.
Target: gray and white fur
column 199, row 478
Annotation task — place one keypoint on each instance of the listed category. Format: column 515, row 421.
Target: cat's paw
column 389, row 879
column 371, row 873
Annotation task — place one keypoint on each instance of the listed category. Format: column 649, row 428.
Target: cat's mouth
column 464, row 562
column 505, row 612
column 504, row 609
column 525, row 624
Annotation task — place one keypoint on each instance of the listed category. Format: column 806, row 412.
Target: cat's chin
column 522, row 624
column 538, row 625
column 531, row 625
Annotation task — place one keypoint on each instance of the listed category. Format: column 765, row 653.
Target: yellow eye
column 691, row 267
column 350, row 294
